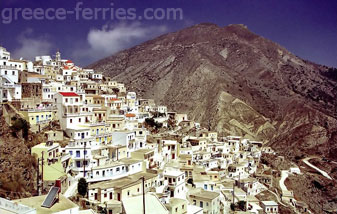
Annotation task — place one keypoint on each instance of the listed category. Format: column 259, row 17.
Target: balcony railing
column 40, row 110
column 43, row 121
column 8, row 67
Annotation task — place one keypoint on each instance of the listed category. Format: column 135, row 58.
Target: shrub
column 18, row 125
column 152, row 123
column 242, row 205
column 232, row 207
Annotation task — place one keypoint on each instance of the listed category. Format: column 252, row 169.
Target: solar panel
column 51, row 197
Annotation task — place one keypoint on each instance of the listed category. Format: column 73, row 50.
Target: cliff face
column 239, row 82
column 17, row 165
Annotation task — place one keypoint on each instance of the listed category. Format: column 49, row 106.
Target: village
column 132, row 155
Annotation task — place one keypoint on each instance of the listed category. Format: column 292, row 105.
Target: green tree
column 82, row 187
column 152, row 123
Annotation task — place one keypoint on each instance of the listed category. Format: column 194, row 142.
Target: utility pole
column 143, row 179
column 42, row 174
column 85, row 144
column 38, row 179
column 233, row 193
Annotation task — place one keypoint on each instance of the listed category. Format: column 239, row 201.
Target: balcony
column 42, row 121
column 8, row 67
column 40, row 110
column 81, row 157
column 9, row 85
column 77, row 114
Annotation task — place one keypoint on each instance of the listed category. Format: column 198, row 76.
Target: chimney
column 58, row 184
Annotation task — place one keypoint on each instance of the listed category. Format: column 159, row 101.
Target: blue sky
column 307, row 28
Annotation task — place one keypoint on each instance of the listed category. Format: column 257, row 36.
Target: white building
column 176, row 182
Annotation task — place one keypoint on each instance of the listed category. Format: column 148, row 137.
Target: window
column 117, row 169
column 176, row 209
column 201, row 204
column 128, row 192
column 78, row 154
column 183, row 206
column 71, row 120
column 71, row 152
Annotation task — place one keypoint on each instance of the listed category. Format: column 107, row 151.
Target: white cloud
column 111, row 39
column 31, row 46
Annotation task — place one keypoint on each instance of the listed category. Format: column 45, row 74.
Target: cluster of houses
column 103, row 136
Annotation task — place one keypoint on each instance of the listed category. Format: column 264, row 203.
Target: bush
column 242, row 205
column 232, row 207
column 18, row 125
column 317, row 185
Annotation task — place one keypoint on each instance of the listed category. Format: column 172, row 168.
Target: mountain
column 239, row 83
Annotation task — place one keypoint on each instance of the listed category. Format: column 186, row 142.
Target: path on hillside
column 284, row 175
column 306, row 161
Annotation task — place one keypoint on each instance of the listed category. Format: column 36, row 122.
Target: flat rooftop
column 269, row 203
column 205, row 195
column 35, row 202
column 123, row 182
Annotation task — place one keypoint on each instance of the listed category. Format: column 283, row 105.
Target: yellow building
column 122, row 188
column 50, row 150
column 101, row 132
column 37, row 116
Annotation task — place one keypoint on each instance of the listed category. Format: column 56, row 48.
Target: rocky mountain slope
column 237, row 81
column 17, row 166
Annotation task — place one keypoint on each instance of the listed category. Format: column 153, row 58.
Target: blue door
column 37, row 118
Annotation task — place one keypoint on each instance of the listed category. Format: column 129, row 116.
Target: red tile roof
column 69, row 61
column 69, row 94
column 130, row 115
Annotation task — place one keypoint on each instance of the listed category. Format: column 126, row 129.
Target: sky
column 81, row 31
